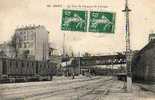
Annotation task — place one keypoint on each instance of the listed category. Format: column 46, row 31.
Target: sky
column 15, row 13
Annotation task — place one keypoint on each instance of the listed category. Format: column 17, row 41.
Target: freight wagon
column 12, row 70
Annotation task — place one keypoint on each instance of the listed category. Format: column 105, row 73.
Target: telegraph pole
column 64, row 53
column 128, row 49
column 79, row 63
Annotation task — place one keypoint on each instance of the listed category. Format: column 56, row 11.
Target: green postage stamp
column 102, row 22
column 73, row 20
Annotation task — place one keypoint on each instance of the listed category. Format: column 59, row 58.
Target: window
column 19, row 45
column 27, row 45
column 24, row 37
column 31, row 36
column 31, row 44
column 24, row 45
column 21, row 33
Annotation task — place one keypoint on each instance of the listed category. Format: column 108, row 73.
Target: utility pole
column 128, row 49
column 64, row 53
column 43, row 51
column 79, row 63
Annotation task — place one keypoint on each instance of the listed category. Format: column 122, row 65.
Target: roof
column 104, row 57
column 29, row 27
column 148, row 46
column 152, row 34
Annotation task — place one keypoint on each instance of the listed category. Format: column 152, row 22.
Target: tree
column 2, row 54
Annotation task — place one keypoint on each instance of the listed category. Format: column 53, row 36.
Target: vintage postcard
column 77, row 50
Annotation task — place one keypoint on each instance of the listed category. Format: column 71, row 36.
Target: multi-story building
column 32, row 42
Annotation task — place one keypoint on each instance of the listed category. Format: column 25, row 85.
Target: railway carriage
column 25, row 70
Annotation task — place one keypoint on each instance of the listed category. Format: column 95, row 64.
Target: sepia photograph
column 77, row 50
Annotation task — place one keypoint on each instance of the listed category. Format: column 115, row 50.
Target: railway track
column 94, row 90
column 48, row 90
column 29, row 84
column 89, row 87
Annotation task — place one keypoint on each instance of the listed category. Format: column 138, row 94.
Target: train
column 14, row 70
column 96, row 65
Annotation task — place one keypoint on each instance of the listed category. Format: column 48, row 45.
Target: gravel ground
column 81, row 88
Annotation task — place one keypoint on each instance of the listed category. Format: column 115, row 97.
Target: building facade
column 143, row 63
column 151, row 36
column 32, row 42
